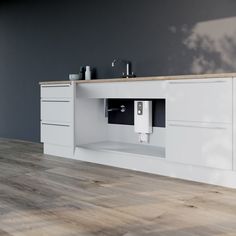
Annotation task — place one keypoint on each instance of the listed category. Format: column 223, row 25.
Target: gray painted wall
column 47, row 40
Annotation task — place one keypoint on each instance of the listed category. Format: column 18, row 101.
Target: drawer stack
column 57, row 118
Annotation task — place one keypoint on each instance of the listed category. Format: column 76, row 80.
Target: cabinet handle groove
column 195, row 126
column 55, row 86
column 197, row 82
column 54, row 101
column 56, row 124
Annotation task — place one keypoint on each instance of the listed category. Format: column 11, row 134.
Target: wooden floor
column 45, row 195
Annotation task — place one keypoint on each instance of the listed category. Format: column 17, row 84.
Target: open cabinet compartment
column 94, row 132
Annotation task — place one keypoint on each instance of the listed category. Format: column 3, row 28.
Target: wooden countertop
column 173, row 77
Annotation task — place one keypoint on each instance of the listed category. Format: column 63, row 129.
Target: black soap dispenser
column 82, row 73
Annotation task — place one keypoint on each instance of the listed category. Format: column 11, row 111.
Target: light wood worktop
column 173, row 77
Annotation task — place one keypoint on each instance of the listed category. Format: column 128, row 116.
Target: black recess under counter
column 127, row 117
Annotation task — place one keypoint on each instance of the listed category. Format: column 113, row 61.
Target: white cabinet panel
column 56, row 91
column 56, row 134
column 136, row 89
column 205, row 100
column 208, row 145
column 234, row 123
column 56, row 111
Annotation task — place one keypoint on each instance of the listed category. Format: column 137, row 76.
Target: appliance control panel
column 140, row 108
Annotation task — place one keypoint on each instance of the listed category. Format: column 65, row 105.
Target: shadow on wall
column 211, row 45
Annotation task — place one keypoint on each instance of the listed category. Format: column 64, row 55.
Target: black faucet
column 128, row 73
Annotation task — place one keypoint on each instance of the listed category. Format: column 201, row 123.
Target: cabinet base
column 60, row 151
column 152, row 165
column 160, row 166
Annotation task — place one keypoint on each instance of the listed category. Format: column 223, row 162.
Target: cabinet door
column 202, row 100
column 208, row 145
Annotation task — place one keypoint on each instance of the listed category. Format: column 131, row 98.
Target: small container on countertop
column 82, row 73
column 88, row 73
column 73, row 76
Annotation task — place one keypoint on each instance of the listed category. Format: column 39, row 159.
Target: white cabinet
column 202, row 100
column 199, row 138
column 199, row 122
column 202, row 144
column 57, row 118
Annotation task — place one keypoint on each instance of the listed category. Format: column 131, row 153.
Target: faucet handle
column 133, row 75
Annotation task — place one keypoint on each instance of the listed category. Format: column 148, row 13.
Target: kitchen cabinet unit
column 57, row 119
column 199, row 122
column 197, row 142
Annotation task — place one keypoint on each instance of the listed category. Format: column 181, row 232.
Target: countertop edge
column 151, row 78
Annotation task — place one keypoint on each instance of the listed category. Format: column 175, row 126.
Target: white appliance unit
column 143, row 119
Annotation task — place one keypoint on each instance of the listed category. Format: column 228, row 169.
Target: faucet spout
column 128, row 69
column 128, row 73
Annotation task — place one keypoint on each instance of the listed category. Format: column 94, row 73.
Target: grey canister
column 88, row 73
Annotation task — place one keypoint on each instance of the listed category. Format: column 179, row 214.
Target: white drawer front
column 208, row 145
column 56, row 111
column 56, row 134
column 202, row 100
column 56, row 91
column 135, row 89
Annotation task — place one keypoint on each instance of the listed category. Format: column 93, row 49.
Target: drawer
column 207, row 145
column 56, row 91
column 202, row 100
column 57, row 111
column 56, row 134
